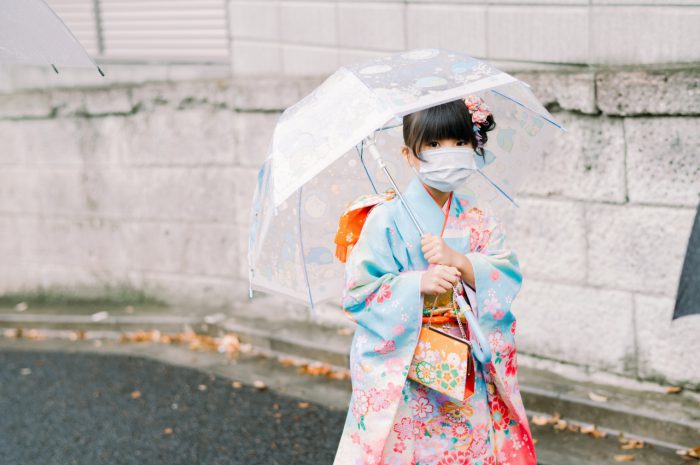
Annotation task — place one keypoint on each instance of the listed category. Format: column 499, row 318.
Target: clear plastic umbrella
column 32, row 33
column 318, row 158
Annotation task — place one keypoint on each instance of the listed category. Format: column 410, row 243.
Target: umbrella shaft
column 403, row 201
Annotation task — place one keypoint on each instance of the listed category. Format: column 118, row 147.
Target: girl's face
column 415, row 162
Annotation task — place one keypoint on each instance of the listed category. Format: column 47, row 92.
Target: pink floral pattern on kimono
column 391, row 419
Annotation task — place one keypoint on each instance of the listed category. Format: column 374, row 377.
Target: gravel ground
column 70, row 409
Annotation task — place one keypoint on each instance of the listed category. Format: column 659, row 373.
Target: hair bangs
column 450, row 120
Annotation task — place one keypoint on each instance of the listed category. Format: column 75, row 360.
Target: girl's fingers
column 451, row 277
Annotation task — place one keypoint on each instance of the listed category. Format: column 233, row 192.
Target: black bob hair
column 450, row 120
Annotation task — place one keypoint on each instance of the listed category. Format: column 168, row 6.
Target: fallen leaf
column 560, row 425
column 541, row 420
column 99, row 316
column 673, row 389
column 34, row 334
column 11, row 333
column 77, row 335
column 593, row 431
column 136, row 394
column 632, row 444
column 597, row 397
column 259, row 384
column 316, row 368
column 237, row 384
column 168, row 431
column 229, row 344
column 624, row 458
column 203, row 342
column 693, row 453
column 287, row 361
column 303, row 405
column 339, row 374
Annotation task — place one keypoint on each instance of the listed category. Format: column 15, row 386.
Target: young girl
column 393, row 276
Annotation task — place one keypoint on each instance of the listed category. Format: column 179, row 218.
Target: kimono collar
column 428, row 212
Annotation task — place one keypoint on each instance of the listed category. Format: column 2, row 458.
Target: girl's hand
column 439, row 279
column 437, row 252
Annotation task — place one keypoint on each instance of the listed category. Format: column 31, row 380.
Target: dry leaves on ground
column 315, row 368
column 624, row 458
column 674, row 389
column 228, row 344
column 25, row 333
column 557, row 423
column 627, row 444
column 693, row 453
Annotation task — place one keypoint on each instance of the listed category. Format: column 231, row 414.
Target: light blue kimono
column 392, row 419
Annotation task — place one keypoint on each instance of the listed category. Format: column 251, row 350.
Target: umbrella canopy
column 317, row 162
column 32, row 33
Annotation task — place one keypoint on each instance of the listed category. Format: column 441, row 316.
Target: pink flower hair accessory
column 479, row 111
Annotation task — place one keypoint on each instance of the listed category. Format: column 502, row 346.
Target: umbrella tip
column 54, row 68
column 100, row 70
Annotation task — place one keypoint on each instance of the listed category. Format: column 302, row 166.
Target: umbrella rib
column 303, row 256
column 497, row 187
column 362, row 160
column 529, row 109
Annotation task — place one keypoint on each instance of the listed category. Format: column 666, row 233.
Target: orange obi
column 352, row 221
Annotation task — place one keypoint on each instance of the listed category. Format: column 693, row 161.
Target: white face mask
column 447, row 168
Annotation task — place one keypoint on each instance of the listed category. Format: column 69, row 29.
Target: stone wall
column 302, row 37
column 148, row 187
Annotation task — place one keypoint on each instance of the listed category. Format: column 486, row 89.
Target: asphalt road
column 80, row 408
column 74, row 408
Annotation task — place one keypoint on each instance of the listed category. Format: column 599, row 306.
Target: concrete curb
column 667, row 421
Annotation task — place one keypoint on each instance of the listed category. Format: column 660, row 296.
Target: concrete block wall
column 148, row 186
column 605, row 221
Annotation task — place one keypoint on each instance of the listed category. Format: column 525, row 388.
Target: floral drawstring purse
column 443, row 361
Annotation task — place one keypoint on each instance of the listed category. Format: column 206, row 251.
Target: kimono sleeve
column 379, row 294
column 384, row 300
column 498, row 280
column 497, row 275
